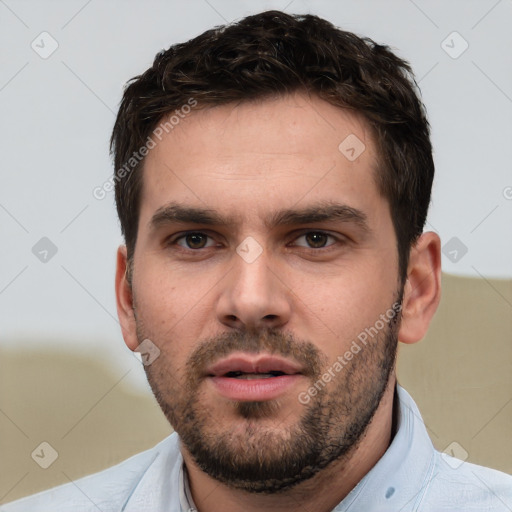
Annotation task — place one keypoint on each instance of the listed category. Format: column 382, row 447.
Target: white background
column 57, row 114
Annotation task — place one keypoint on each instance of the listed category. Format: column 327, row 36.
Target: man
column 272, row 181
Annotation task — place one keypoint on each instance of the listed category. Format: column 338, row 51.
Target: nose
column 254, row 295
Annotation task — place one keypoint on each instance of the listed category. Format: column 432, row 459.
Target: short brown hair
column 273, row 53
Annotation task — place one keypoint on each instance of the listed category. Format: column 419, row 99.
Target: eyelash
column 337, row 240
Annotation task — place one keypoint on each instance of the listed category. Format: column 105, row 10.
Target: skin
column 247, row 161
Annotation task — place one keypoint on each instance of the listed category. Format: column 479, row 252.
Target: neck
column 320, row 493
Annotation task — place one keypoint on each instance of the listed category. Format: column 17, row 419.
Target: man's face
column 252, row 295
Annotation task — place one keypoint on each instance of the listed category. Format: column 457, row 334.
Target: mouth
column 250, row 366
column 252, row 376
column 249, row 377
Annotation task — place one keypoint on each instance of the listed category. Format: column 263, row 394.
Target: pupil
column 196, row 241
column 316, row 239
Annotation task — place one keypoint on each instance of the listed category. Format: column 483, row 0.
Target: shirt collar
column 186, row 501
column 401, row 477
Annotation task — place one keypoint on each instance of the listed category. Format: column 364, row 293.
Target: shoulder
column 457, row 485
column 439, row 482
column 107, row 490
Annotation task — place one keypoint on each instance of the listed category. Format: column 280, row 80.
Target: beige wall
column 461, row 373
column 460, row 376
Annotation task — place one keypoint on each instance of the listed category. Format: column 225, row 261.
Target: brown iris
column 316, row 239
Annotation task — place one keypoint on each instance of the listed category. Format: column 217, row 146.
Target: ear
column 422, row 291
column 124, row 301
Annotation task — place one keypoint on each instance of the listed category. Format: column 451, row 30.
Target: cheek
column 157, row 299
column 172, row 304
column 346, row 304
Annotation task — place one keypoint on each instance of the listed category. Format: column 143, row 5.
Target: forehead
column 255, row 156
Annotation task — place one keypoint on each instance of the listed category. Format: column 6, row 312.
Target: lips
column 245, row 377
column 242, row 365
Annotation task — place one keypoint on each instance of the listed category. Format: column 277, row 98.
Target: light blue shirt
column 410, row 477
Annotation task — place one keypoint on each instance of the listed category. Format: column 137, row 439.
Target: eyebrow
column 319, row 212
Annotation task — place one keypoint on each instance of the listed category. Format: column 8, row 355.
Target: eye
column 315, row 240
column 194, row 240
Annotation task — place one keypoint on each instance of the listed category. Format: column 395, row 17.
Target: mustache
column 268, row 340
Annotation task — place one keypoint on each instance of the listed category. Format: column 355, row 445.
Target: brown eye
column 194, row 241
column 316, row 240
